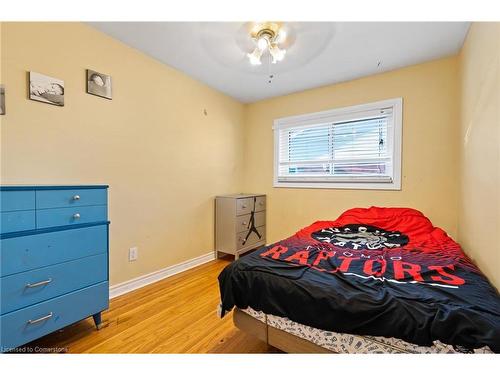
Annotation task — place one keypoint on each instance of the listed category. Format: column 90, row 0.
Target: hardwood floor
column 175, row 315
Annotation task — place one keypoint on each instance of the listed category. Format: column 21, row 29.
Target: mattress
column 345, row 343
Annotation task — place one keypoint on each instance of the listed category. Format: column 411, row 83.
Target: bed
column 374, row 280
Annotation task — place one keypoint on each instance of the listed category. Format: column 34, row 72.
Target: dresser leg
column 97, row 320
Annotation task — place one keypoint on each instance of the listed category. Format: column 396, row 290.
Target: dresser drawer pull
column 244, row 206
column 48, row 316
column 261, row 203
column 76, row 216
column 76, row 197
column 40, row 283
column 244, row 223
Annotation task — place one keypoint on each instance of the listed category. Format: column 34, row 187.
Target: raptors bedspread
column 377, row 271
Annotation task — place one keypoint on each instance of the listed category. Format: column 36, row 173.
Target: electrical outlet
column 133, row 254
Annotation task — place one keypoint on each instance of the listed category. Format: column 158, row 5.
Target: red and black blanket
column 377, row 271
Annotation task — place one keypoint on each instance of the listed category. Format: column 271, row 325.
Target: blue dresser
column 53, row 259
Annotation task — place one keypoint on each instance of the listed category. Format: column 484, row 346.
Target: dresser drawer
column 21, row 326
column 252, row 239
column 17, row 200
column 20, row 254
column 244, row 206
column 70, row 198
column 53, row 217
column 27, row 288
column 242, row 222
column 260, row 203
column 15, row 221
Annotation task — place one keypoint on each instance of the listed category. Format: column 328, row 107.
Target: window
column 349, row 148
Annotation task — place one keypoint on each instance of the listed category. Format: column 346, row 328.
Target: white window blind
column 345, row 146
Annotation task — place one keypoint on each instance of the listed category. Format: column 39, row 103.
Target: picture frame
column 3, row 110
column 46, row 89
column 99, row 84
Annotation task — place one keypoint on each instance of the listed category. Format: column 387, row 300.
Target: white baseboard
column 138, row 282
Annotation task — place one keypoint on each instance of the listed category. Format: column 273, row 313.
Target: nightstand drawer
column 70, row 198
column 253, row 238
column 17, row 200
column 27, row 288
column 20, row 254
column 25, row 325
column 53, row 217
column 242, row 222
column 16, row 221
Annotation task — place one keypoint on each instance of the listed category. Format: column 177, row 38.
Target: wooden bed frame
column 275, row 337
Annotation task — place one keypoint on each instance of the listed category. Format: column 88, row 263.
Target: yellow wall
column 165, row 160
column 430, row 121
column 479, row 148
column 1, row 52
column 162, row 157
column 1, row 82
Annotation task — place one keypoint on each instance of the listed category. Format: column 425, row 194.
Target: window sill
column 339, row 185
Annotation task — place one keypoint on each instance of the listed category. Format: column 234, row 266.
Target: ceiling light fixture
column 267, row 36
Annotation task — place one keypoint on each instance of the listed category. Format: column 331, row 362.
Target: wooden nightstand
column 240, row 223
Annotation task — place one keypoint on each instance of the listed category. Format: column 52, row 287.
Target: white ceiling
column 320, row 53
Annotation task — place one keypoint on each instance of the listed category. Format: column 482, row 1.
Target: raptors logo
column 361, row 237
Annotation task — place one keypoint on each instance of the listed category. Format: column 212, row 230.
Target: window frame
column 342, row 114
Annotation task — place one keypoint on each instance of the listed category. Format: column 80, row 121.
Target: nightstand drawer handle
column 244, row 223
column 76, row 216
column 40, row 283
column 244, row 206
column 76, row 197
column 261, row 203
column 48, row 316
